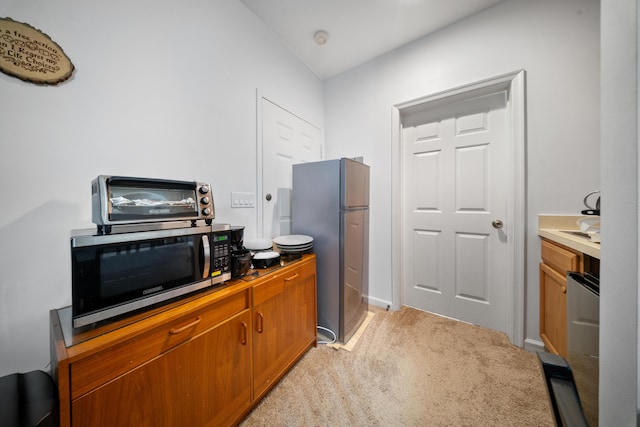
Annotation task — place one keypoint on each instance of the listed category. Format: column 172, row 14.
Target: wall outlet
column 243, row 200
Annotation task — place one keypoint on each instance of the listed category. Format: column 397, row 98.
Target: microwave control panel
column 220, row 256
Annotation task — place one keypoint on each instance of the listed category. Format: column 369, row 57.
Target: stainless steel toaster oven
column 117, row 200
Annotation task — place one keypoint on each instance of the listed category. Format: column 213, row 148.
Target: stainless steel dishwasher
column 583, row 339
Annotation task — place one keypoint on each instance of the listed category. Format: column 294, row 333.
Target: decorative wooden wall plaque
column 30, row 55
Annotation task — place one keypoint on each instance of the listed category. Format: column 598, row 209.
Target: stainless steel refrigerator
column 330, row 202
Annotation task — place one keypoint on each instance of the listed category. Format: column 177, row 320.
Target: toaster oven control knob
column 204, row 200
column 204, row 189
column 206, row 211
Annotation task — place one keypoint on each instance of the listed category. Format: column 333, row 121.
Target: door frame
column 514, row 84
column 259, row 149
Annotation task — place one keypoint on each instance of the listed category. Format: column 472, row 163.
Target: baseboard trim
column 380, row 303
column 533, row 345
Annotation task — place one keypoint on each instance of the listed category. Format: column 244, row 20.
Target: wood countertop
column 555, row 227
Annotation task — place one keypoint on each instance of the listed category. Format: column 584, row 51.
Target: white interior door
column 455, row 197
column 286, row 140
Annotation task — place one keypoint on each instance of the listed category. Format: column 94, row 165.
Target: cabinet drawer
column 95, row 370
column 559, row 258
column 267, row 289
column 285, row 278
column 307, row 269
column 298, row 274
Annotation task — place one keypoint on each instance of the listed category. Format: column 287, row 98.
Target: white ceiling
column 359, row 30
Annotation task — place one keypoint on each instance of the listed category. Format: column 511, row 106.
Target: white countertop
column 552, row 226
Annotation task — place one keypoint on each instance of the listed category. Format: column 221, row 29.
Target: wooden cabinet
column 556, row 261
column 280, row 337
column 193, row 362
column 205, row 380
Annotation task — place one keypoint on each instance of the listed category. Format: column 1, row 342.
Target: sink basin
column 578, row 233
column 581, row 235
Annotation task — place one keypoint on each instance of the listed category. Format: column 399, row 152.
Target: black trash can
column 28, row 399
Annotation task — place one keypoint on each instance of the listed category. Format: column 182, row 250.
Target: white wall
column 556, row 42
column 161, row 89
column 620, row 217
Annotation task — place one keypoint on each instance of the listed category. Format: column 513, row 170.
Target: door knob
column 268, row 197
column 497, row 223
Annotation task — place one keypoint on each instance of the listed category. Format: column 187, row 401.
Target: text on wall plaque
column 30, row 55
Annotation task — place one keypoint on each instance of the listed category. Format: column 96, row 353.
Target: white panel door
column 286, row 140
column 454, row 193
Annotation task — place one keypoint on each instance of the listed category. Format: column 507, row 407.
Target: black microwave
column 115, row 274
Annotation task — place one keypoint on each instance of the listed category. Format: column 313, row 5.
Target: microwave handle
column 207, row 256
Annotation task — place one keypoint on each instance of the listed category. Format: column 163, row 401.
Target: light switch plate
column 243, row 200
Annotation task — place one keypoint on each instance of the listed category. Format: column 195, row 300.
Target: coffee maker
column 240, row 256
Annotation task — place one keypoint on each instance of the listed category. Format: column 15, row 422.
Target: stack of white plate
column 294, row 243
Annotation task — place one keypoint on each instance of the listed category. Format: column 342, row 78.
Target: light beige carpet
column 411, row 368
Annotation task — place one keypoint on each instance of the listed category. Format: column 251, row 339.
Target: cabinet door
column 553, row 310
column 205, row 380
column 301, row 320
column 269, row 339
column 284, row 324
column 120, row 358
